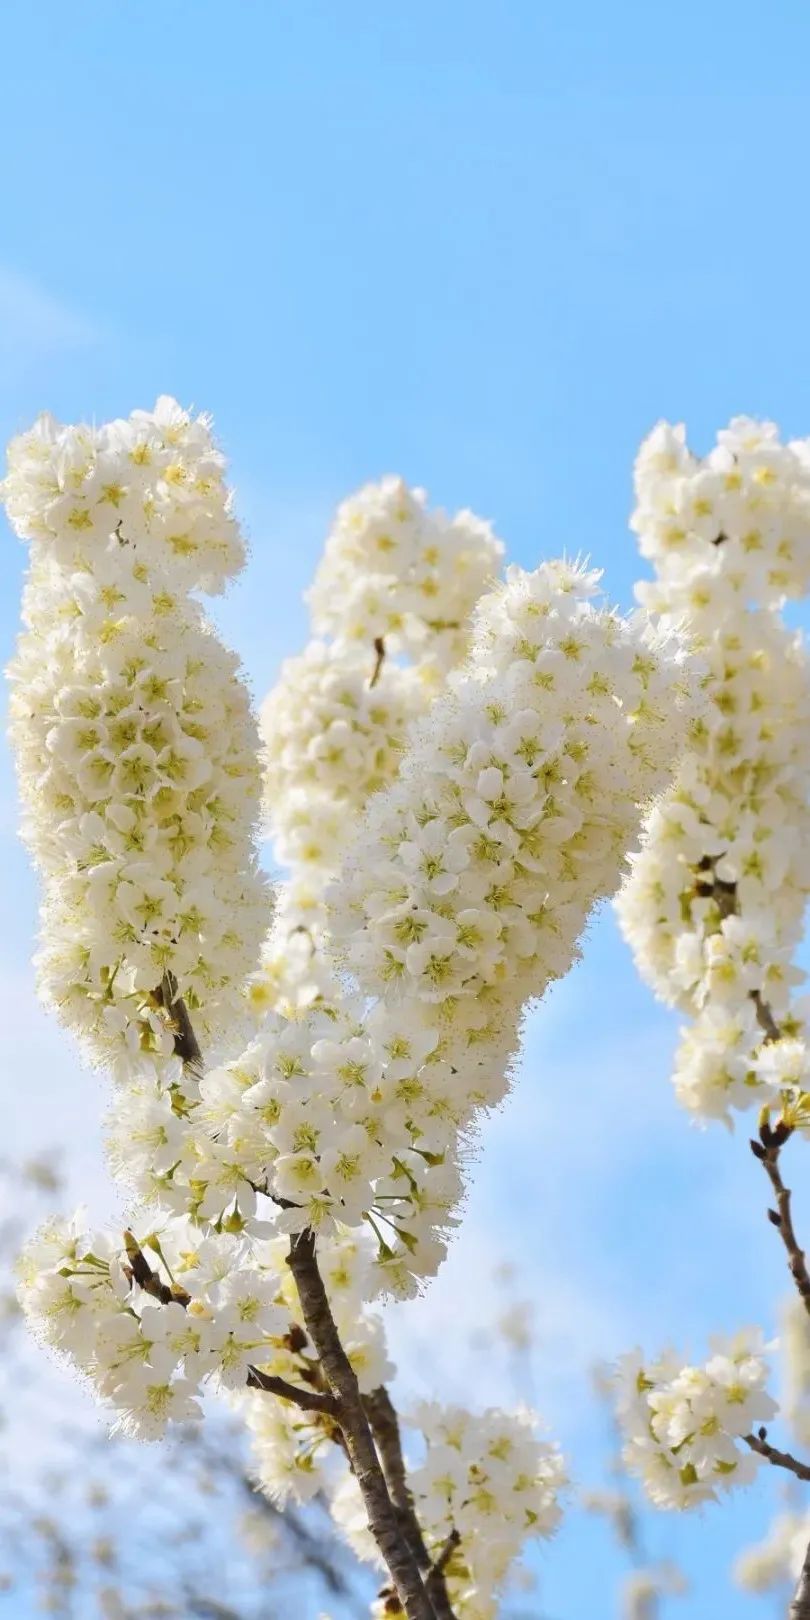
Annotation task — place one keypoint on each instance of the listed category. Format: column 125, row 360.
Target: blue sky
column 486, row 248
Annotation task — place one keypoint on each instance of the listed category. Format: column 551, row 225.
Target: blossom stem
column 308, row 1400
column 385, row 1429
column 760, row 1443
column 342, row 1380
column 767, row 1150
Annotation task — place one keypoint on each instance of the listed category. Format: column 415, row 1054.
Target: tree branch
column 308, row 1400
column 385, row 1429
column 781, row 1459
column 342, row 1380
column 767, row 1150
column 800, row 1607
column 186, row 1045
column 436, row 1583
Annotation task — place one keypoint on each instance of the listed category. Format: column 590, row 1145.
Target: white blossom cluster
column 148, row 1356
column 475, row 873
column 395, row 578
column 714, row 906
column 685, row 1426
column 331, row 740
column 394, row 570
column 135, row 743
column 154, row 482
column 487, row 1482
column 473, row 876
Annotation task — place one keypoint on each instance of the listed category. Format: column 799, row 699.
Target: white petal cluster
column 146, row 1356
column 684, row 1426
column 331, row 740
column 487, row 1480
column 137, row 758
column 714, row 907
column 155, row 480
column 736, row 520
column 395, row 571
column 473, row 876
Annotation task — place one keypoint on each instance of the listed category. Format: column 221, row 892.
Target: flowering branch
column 342, row 1380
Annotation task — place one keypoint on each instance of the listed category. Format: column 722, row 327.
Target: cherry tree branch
column 385, row 1429
column 767, row 1150
column 383, row 1521
column 147, row 1279
column 800, row 1607
column 780, row 1459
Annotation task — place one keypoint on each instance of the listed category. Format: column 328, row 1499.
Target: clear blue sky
column 485, row 247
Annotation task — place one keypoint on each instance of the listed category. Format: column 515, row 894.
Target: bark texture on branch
column 781, row 1459
column 385, row 1429
column 342, row 1380
column 800, row 1607
column 771, row 1141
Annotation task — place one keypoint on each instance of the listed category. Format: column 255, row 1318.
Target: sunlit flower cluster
column 473, row 876
column 146, row 1355
column 331, row 740
column 685, row 1426
column 714, row 907
column 486, row 1485
column 396, row 571
column 154, row 482
column 137, row 760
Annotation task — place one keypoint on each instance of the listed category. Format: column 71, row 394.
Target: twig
column 435, row 1583
column 379, row 649
column 342, row 1380
column 308, row 1400
column 186, row 1045
column 760, row 1443
column 771, row 1141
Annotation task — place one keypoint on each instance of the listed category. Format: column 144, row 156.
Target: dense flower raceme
column 155, row 480
column 136, row 748
column 137, row 760
column 395, row 578
column 331, row 741
column 684, row 1426
column 486, row 1479
column 714, row 906
column 396, row 571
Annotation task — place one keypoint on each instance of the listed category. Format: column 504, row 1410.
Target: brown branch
column 186, row 1045
column 800, row 1607
column 436, row 1583
column 760, row 1443
column 379, row 649
column 385, row 1429
column 141, row 1272
column 771, row 1141
column 308, row 1399
column 342, row 1380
